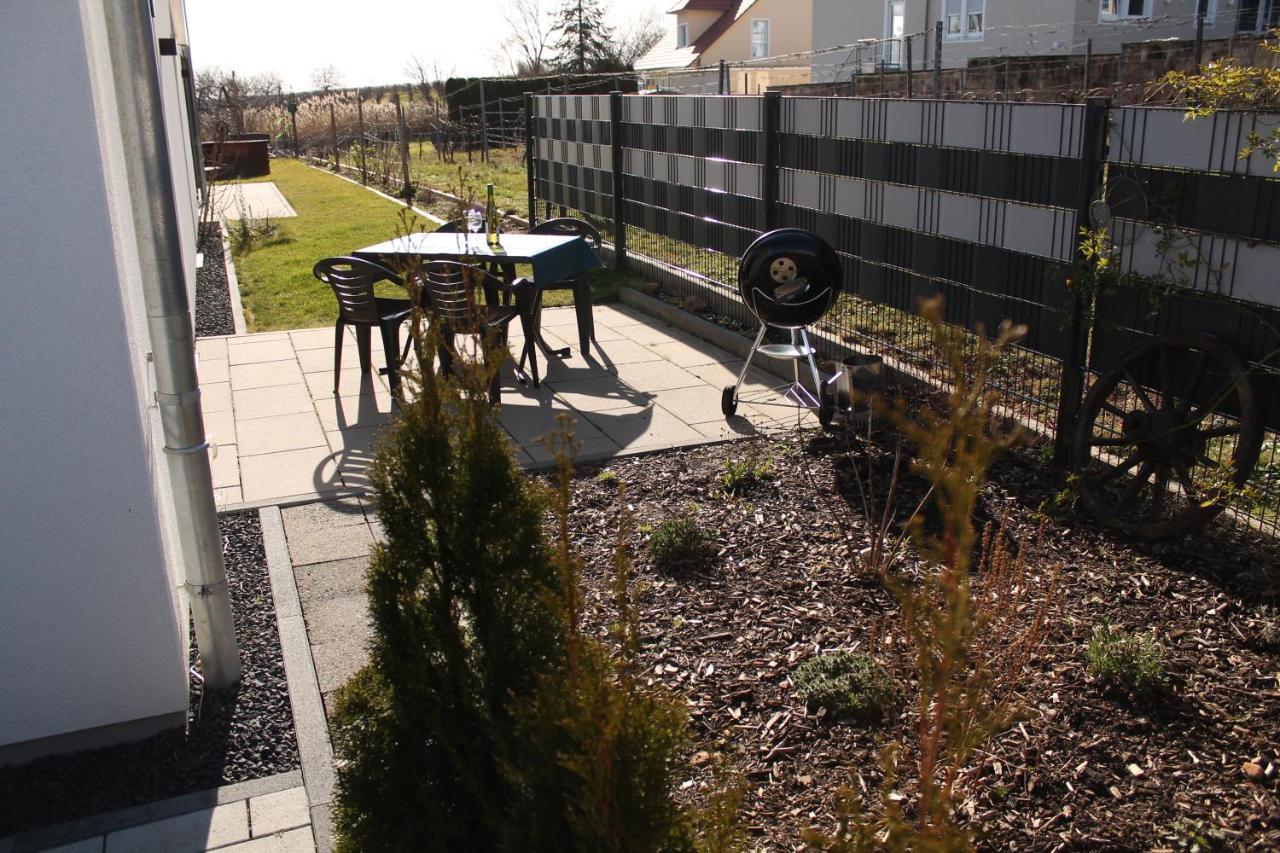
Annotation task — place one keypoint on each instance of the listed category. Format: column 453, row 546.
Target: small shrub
column 607, row 478
column 1132, row 663
column 680, row 543
column 741, row 476
column 851, row 686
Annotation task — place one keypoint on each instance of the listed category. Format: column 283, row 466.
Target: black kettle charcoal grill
column 788, row 279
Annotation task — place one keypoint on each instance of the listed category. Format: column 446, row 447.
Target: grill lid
column 789, row 278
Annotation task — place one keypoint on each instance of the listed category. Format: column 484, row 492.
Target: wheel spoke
column 1218, row 432
column 1161, row 489
column 1194, row 384
column 1211, row 404
column 1112, row 473
column 1166, row 380
column 1183, row 474
column 1139, row 480
column 1099, row 441
column 1140, row 391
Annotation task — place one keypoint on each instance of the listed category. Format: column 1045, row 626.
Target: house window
column 964, row 19
column 759, row 38
column 1119, row 10
column 1258, row 15
column 1210, row 9
column 682, row 35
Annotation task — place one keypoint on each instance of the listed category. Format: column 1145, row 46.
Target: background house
column 701, row 33
column 990, row 29
column 93, row 623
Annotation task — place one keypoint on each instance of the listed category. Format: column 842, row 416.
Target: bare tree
column 636, row 38
column 523, row 52
column 326, row 77
column 420, row 75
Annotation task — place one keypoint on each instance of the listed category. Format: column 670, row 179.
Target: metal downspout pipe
column 136, row 79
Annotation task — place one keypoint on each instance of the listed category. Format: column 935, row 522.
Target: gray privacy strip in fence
column 727, row 112
column 1046, row 232
column 724, row 175
column 1201, row 261
column 576, row 153
column 1159, row 136
column 1047, row 130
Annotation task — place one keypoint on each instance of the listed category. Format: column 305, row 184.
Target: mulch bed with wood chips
column 1080, row 768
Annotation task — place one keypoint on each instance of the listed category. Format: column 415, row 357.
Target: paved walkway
column 255, row 201
column 282, row 435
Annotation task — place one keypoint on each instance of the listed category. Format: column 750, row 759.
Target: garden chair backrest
column 353, row 280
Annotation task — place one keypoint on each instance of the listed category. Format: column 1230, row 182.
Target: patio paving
column 281, row 435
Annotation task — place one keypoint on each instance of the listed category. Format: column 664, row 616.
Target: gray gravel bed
column 213, row 297
column 232, row 736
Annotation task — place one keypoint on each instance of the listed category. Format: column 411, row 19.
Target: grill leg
column 813, row 366
column 747, row 366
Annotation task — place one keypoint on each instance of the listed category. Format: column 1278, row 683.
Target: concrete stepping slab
column 262, row 200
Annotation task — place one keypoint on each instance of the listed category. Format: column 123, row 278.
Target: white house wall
column 92, row 631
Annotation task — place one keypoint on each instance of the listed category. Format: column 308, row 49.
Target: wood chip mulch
column 1079, row 769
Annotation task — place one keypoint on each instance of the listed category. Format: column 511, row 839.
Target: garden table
column 554, row 258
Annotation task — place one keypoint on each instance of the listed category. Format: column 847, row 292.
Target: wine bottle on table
column 492, row 221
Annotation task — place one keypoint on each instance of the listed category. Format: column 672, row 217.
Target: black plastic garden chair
column 353, row 282
column 465, row 300
column 570, row 227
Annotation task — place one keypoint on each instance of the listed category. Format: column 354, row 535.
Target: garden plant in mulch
column 231, row 736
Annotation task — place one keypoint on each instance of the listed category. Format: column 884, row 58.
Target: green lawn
column 334, row 218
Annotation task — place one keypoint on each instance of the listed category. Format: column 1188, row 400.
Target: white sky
column 369, row 41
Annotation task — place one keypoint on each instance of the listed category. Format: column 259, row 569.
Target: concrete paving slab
column 270, row 402
column 220, row 427
column 336, row 662
column 657, row 376
column 625, row 352
column 226, row 496
column 618, row 316
column 289, row 473
column 694, row 405
column 358, row 440
column 225, row 465
column 310, row 339
column 654, row 333
column 254, row 351
column 529, row 423
column 338, row 512
column 592, row 449
column 337, row 620
column 294, row 841
column 325, row 543
column 265, row 374
column 215, row 397
column 88, row 845
column 210, row 370
column 654, row 427
column 281, row 432
column 351, row 382
column 690, row 354
column 259, row 200
column 283, row 810
column 211, row 348
column 321, row 360
column 600, row 393
column 190, row 833
column 352, row 412
column 319, row 582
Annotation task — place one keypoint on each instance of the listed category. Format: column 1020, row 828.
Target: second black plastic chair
column 353, row 282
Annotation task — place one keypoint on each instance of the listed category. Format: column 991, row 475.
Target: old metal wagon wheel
column 1166, row 436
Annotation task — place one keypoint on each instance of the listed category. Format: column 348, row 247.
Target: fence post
column 911, row 91
column 1088, row 65
column 333, row 136
column 723, row 72
column 883, row 91
column 406, row 192
column 1092, row 159
column 502, row 123
column 619, row 194
column 1200, row 4
column 937, row 61
column 531, row 157
column 772, row 157
column 484, row 125
column 364, row 172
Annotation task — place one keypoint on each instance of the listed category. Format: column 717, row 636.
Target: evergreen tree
column 583, row 43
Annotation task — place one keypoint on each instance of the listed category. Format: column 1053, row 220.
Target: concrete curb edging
column 91, row 827
column 233, row 283
column 309, row 722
